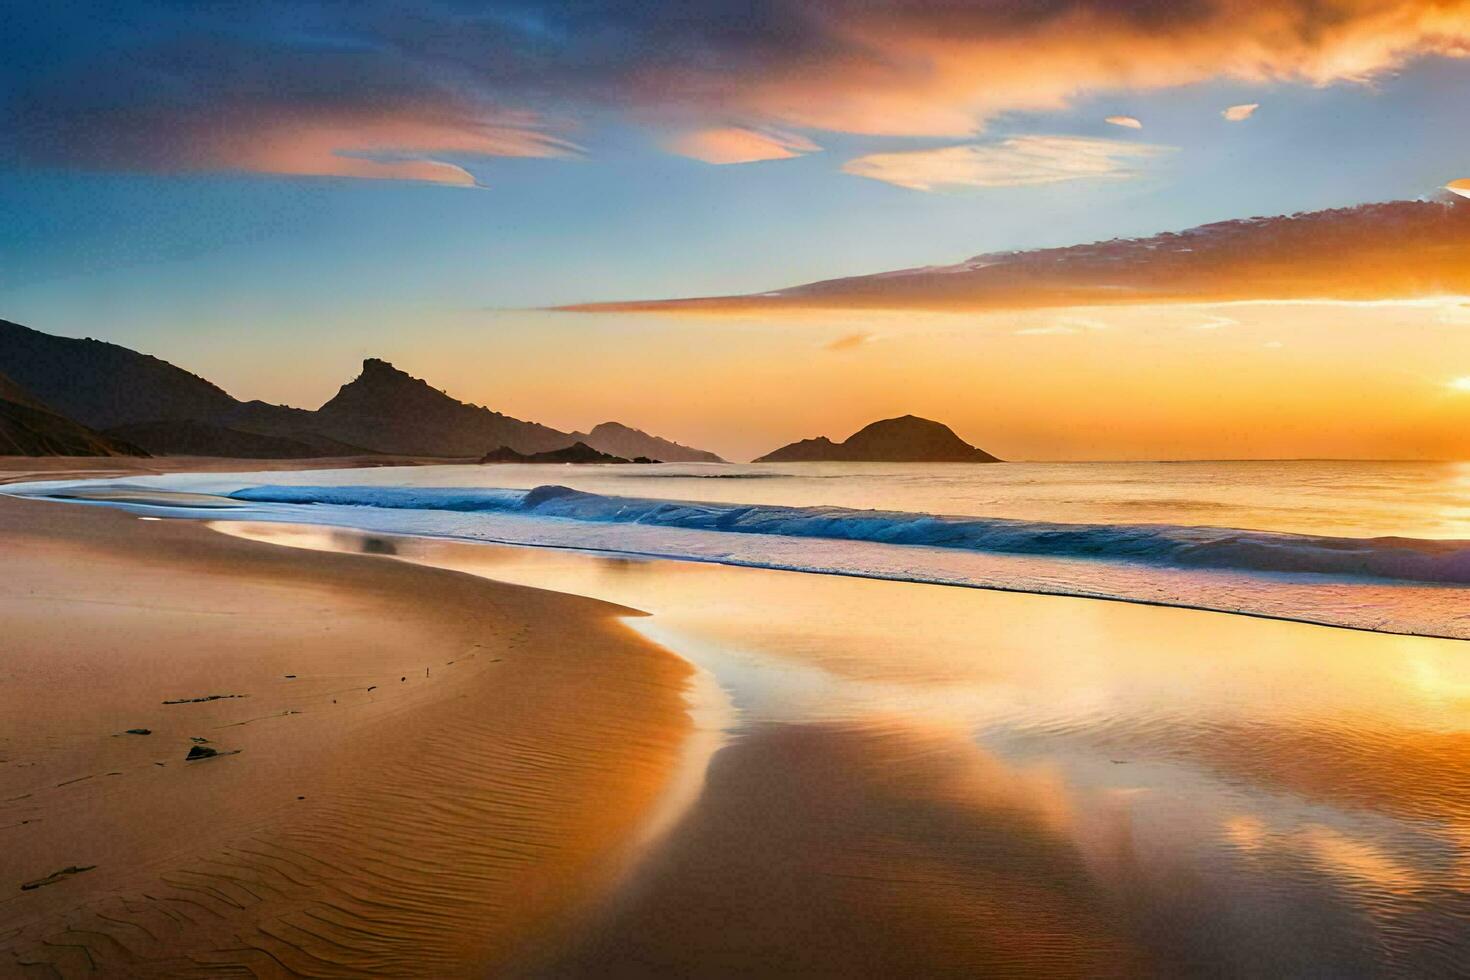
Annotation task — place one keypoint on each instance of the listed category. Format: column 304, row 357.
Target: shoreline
column 1284, row 611
column 418, row 769
column 21, row 469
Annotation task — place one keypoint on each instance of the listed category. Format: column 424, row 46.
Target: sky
column 265, row 193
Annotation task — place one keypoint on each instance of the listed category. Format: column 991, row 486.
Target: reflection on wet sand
column 837, row 850
column 881, row 850
column 939, row 780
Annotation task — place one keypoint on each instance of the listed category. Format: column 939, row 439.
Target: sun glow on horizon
column 1320, row 379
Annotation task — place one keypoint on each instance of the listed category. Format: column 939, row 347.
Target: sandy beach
column 439, row 757
column 416, row 770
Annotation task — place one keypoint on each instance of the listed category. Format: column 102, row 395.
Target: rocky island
column 908, row 439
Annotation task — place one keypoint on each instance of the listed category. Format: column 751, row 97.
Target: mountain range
column 84, row 397
column 28, row 427
column 137, row 400
column 907, row 439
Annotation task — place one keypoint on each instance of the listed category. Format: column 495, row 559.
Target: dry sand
column 423, row 771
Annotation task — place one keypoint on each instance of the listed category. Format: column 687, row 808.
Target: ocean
column 1372, row 545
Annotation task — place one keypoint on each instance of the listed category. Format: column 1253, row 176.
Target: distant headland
column 907, row 439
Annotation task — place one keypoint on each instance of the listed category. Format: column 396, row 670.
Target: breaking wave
column 1177, row 546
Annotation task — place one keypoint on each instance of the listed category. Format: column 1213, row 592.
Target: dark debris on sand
column 56, row 876
column 207, row 697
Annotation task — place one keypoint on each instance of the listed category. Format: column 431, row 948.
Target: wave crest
column 1411, row 559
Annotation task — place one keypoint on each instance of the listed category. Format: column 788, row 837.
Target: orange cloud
column 931, row 69
column 254, row 102
column 1016, row 162
column 1403, row 250
column 389, row 147
column 1240, row 113
column 736, row 144
column 1460, row 187
column 401, row 143
column 1127, row 122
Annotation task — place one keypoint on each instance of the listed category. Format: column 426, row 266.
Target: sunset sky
column 265, row 193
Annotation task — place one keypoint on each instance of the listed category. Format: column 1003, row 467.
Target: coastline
column 1372, row 580
column 20, row 469
column 454, row 768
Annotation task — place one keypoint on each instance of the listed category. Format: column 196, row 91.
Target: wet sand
column 418, row 771
column 932, row 781
column 842, row 851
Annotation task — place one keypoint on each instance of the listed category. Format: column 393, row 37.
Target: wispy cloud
column 385, row 145
column 1398, row 254
column 221, row 104
column 390, row 146
column 736, row 144
column 1127, row 122
column 1016, row 162
column 1240, row 113
column 1214, row 323
column 1055, row 330
column 1063, row 327
column 851, row 341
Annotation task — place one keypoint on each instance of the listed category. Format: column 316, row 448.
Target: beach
column 461, row 758
column 417, row 770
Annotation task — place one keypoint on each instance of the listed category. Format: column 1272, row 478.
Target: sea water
column 1373, row 545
